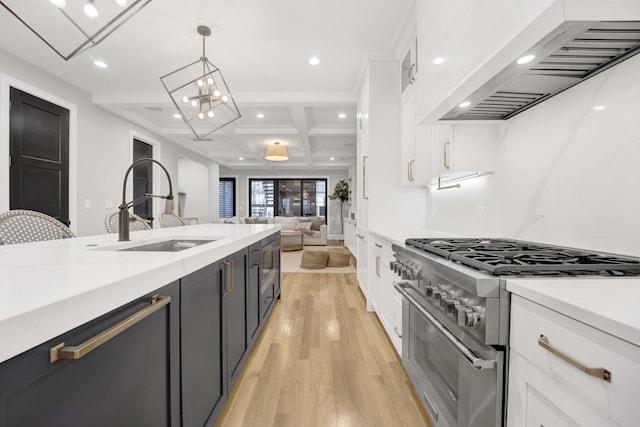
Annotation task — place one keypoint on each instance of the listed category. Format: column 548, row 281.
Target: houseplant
column 342, row 193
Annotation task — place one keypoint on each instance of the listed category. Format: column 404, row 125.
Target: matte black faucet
column 123, row 218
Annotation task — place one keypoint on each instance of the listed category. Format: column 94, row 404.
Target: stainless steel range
column 456, row 316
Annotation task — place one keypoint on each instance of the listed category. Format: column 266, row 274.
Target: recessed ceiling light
column 332, row 158
column 240, row 158
column 465, row 104
column 100, row 64
column 260, row 116
column 59, row 3
column 90, row 10
column 177, row 116
column 439, row 60
column 599, row 107
column 342, row 115
column 525, row 59
column 314, row 61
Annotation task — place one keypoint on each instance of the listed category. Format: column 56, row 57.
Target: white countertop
column 608, row 304
column 48, row 288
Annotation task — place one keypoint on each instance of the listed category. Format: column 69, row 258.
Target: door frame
column 158, row 175
column 6, row 82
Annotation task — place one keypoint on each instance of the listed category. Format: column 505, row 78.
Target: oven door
column 457, row 385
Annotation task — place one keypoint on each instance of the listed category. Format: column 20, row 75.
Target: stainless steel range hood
column 573, row 52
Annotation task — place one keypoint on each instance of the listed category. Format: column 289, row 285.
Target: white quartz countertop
column 48, row 288
column 608, row 304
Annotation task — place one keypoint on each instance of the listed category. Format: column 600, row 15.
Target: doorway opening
column 39, row 155
column 143, row 179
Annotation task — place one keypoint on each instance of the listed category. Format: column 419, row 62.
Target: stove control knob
column 428, row 290
column 444, row 298
column 392, row 265
column 452, row 307
column 471, row 317
column 437, row 295
column 404, row 273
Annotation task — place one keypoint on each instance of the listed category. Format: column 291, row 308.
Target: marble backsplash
column 567, row 172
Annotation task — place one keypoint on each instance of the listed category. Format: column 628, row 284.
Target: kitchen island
column 97, row 332
column 47, row 288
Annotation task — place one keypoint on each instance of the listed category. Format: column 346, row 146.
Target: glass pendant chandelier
column 201, row 94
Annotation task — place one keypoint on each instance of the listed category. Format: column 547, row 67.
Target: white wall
column 103, row 146
column 566, row 174
column 194, row 182
column 332, row 176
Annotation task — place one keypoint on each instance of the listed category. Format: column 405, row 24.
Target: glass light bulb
column 194, row 103
column 210, row 114
column 201, row 116
column 216, row 92
column 121, row 3
column 90, row 10
column 59, row 3
column 225, row 98
column 200, row 83
column 209, row 81
column 185, row 99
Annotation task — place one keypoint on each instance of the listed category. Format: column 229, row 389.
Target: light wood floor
column 322, row 361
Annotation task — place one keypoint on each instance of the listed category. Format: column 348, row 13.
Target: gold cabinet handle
column 255, row 266
column 228, row 285
column 602, row 373
column 70, row 352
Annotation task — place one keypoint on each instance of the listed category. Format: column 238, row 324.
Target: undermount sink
column 173, row 245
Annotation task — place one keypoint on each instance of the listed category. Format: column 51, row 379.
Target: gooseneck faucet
column 123, row 219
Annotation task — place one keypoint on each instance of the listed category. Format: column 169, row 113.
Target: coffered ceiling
column 262, row 49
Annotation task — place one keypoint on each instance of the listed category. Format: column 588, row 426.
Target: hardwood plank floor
column 322, row 361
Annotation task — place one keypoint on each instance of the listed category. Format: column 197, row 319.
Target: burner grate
column 503, row 257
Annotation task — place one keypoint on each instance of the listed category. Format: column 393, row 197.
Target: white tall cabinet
column 384, row 206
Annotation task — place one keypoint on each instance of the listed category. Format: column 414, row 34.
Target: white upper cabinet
column 463, row 150
column 477, row 40
column 409, row 66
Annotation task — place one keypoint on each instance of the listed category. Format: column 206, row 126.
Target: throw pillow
column 303, row 226
column 251, row 220
column 260, row 220
column 316, row 223
column 287, row 222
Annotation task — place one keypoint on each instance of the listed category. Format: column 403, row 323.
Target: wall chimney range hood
column 572, row 53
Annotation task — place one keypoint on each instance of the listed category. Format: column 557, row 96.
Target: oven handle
column 475, row 361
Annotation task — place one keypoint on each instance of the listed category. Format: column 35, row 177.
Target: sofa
column 313, row 228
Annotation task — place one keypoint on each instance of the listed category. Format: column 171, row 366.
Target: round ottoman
column 338, row 257
column 314, row 259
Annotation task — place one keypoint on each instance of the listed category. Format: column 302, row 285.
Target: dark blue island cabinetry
column 132, row 379
column 169, row 358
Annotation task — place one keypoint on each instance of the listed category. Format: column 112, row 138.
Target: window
column 288, row 197
column 227, row 194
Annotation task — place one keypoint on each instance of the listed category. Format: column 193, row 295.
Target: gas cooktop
column 504, row 257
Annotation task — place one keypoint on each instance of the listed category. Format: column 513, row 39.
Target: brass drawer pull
column 71, row 352
column 602, row 373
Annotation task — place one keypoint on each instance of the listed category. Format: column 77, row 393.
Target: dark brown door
column 143, row 179
column 39, row 150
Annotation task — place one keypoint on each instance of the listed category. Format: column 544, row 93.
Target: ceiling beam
column 301, row 122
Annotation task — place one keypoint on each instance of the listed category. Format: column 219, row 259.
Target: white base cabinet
column 384, row 299
column 546, row 389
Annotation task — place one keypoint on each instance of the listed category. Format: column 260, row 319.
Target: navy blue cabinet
column 203, row 370
column 79, row 379
column 253, row 291
column 214, row 336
